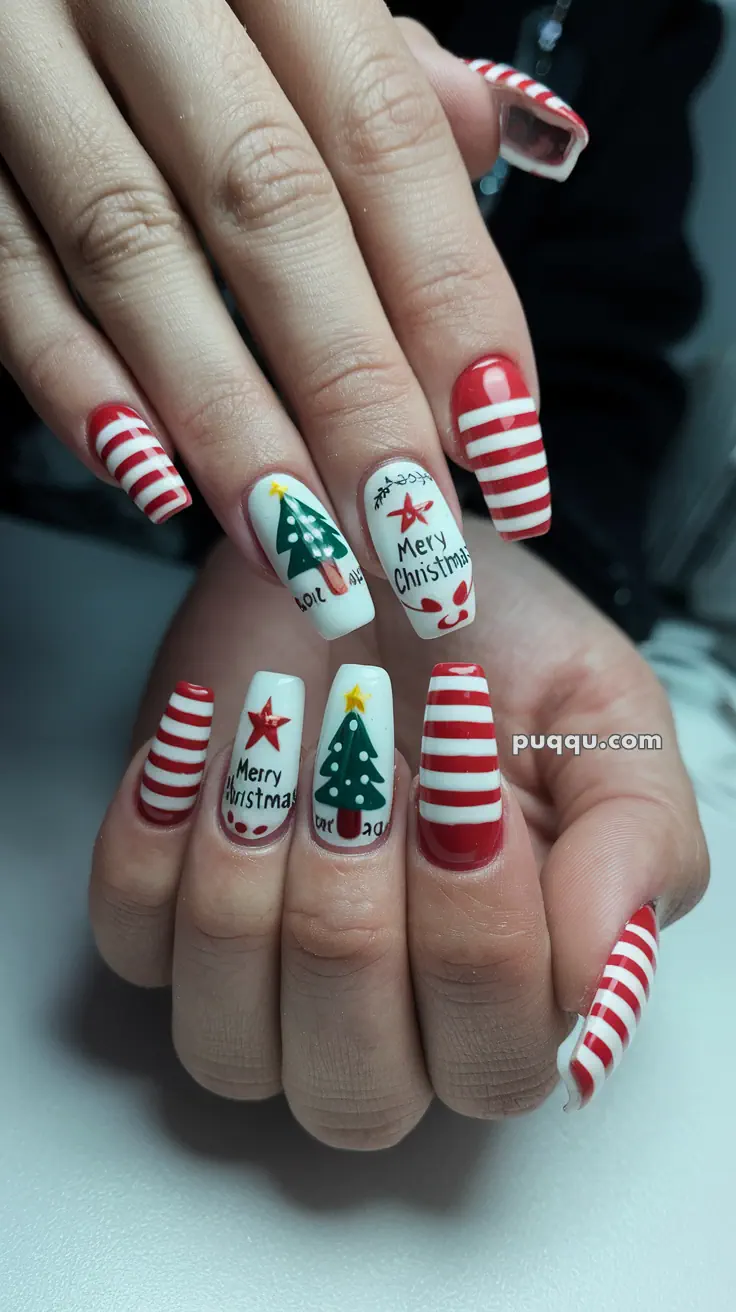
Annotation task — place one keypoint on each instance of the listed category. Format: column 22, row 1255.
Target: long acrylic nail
column 174, row 767
column 310, row 555
column 260, row 789
column 540, row 133
column 497, row 423
column 460, row 823
column 613, row 1019
column 354, row 767
column 421, row 548
column 129, row 451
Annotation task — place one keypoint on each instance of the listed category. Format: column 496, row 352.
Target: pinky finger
column 70, row 373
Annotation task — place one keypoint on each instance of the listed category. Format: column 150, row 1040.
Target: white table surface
column 125, row 1188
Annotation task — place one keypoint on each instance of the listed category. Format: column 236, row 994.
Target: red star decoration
column 266, row 725
column 411, row 513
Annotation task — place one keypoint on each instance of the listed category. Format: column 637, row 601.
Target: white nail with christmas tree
column 421, row 548
column 260, row 788
column 310, row 555
column 354, row 767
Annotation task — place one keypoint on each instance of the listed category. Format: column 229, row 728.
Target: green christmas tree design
column 350, row 772
column 312, row 541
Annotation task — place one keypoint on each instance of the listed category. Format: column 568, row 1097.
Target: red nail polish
column 122, row 440
column 611, row 1023
column 172, row 774
column 459, row 782
column 497, row 423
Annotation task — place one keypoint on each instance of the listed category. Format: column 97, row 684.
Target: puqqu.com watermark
column 585, row 742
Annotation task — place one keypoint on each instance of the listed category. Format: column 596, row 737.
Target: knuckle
column 271, row 177
column 496, row 1093
column 122, row 226
column 355, row 379
column 222, row 927
column 478, row 967
column 317, row 946
column 390, row 113
column 458, row 292
column 242, row 1074
column 361, row 1129
column 48, row 363
column 216, row 419
column 19, row 251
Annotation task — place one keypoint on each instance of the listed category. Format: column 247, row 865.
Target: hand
column 312, row 157
column 362, row 981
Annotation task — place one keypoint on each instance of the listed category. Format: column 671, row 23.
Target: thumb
column 494, row 110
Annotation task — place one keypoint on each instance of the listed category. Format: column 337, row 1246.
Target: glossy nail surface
column 421, row 548
column 174, row 767
column 354, row 767
column 129, row 451
column 540, row 133
column 613, row 1019
column 310, row 555
column 460, row 822
column 260, row 788
column 496, row 421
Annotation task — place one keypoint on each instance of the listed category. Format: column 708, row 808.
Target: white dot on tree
column 348, row 783
column 364, row 756
column 309, row 519
column 333, row 792
column 293, row 537
column 328, row 551
column 308, row 537
column 316, row 553
column 364, row 778
column 290, row 519
column 337, row 747
column 352, row 725
column 334, row 765
column 360, row 799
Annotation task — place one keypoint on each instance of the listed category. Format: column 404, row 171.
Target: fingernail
column 616, row 1011
column 496, row 421
column 540, row 133
column 174, row 767
column 260, row 789
column 459, row 782
column 354, row 768
column 129, row 451
column 421, row 548
column 310, row 555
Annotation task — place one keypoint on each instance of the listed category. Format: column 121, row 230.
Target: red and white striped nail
column 497, row 423
column 129, row 451
column 540, row 133
column 459, row 781
column 613, row 1019
column 172, row 774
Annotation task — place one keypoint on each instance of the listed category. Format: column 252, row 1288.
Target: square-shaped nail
column 174, row 768
column 260, row 788
column 354, row 766
column 122, row 440
column 310, row 555
column 421, row 548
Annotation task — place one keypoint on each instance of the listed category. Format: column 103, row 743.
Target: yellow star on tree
column 278, row 489
column 356, row 699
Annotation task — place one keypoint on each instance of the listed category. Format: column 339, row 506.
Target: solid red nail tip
column 174, row 767
column 620, row 999
column 121, row 438
column 496, row 422
column 459, row 802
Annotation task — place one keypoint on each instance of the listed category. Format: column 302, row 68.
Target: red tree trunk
column 348, row 823
column 330, row 571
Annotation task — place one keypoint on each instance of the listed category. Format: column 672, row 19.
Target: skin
column 364, row 985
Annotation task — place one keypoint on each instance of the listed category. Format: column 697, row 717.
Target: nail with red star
column 260, row 789
column 421, row 548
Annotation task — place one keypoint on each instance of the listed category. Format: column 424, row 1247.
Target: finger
column 68, row 370
column 227, row 950
column 431, row 259
column 274, row 221
column 121, row 237
column 518, row 117
column 630, row 840
column 140, row 848
column 480, row 951
column 352, row 1067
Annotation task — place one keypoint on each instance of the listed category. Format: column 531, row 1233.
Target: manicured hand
column 320, row 152
column 382, row 942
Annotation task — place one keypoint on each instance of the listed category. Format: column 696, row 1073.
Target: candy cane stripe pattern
column 497, row 423
column 174, row 767
column 616, row 1011
column 459, row 780
column 540, row 133
column 137, row 461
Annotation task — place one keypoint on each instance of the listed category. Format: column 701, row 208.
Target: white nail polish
column 310, row 555
column 260, row 789
column 421, row 548
column 354, row 767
